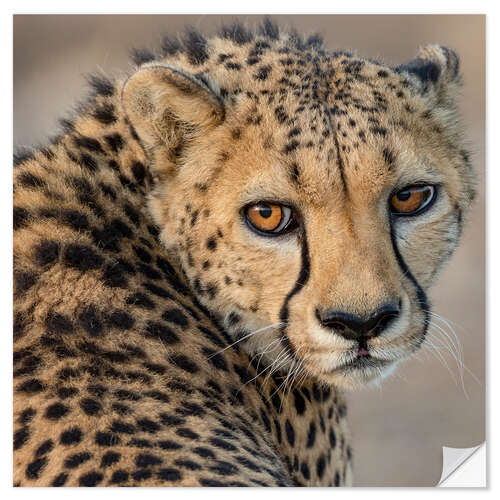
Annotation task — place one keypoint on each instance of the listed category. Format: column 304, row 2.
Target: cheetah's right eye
column 270, row 219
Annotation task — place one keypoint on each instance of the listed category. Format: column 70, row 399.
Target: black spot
column 141, row 56
column 263, row 73
column 105, row 114
column 204, row 452
column 81, row 257
column 27, row 179
column 123, row 394
column 290, row 147
column 276, row 401
column 190, row 409
column 300, row 404
column 21, row 437
column 24, row 281
column 215, row 358
column 223, row 468
column 119, row 476
column 21, row 216
column 184, row 363
column 212, row 243
column 106, row 439
column 66, row 392
column 236, row 32
column 147, row 425
column 169, row 474
column 26, row 416
column 169, row 46
column 188, row 464
column 60, row 479
column 140, row 300
column 88, row 162
column 212, row 483
column 142, row 474
column 316, row 393
column 71, row 436
column 31, row 386
column 143, row 254
column 88, row 143
column 139, row 172
column 290, row 433
column 90, row 321
column 169, row 445
column 148, row 271
column 90, row 479
column 269, row 29
column 102, row 85
column 389, row 157
column 132, row 214
column 146, row 460
column 121, row 319
column 75, row 219
column 114, row 141
column 77, row 459
column 163, row 332
column 311, row 435
column 187, row 433
column 58, row 323
column 332, row 437
column 122, row 427
column 196, row 47
column 34, row 468
column 46, row 252
column 56, row 411
column 23, row 155
column 379, row 131
column 113, row 275
column 222, row 444
column 90, row 406
column 320, row 466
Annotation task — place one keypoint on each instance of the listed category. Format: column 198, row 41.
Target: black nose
column 353, row 327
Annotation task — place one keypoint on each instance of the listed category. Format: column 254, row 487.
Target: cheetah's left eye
column 412, row 200
column 269, row 219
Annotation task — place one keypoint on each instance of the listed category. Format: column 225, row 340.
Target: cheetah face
column 311, row 226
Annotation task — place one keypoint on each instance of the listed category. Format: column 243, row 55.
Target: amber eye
column 412, row 199
column 269, row 218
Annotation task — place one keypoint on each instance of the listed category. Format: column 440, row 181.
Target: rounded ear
column 167, row 106
column 435, row 72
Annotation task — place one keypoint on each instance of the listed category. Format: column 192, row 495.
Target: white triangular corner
column 464, row 467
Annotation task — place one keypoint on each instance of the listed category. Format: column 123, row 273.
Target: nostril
column 382, row 318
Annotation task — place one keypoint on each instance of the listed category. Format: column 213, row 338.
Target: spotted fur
column 138, row 287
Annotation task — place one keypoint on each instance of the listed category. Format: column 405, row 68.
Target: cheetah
column 216, row 247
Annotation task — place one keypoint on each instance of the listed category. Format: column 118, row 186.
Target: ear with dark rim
column 435, row 72
column 168, row 107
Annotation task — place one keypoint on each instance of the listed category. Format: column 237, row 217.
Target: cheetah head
column 310, row 198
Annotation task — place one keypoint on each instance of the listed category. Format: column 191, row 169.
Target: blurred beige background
column 398, row 428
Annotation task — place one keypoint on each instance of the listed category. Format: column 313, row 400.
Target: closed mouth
column 362, row 361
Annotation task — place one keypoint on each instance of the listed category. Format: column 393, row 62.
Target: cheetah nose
column 354, row 327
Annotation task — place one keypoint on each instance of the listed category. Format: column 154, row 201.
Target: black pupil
column 265, row 211
column 403, row 195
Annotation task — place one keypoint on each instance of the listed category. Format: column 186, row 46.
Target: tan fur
column 211, row 146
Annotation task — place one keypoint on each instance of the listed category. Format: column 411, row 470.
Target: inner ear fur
column 167, row 107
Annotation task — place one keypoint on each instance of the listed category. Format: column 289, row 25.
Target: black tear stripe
column 304, row 274
column 421, row 295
